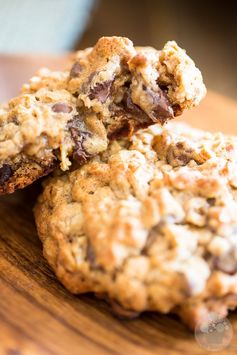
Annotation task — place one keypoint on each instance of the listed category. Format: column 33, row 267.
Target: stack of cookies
column 140, row 212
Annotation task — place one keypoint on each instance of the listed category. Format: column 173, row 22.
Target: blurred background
column 32, row 30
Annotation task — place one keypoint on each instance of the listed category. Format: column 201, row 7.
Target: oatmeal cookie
column 111, row 90
column 151, row 224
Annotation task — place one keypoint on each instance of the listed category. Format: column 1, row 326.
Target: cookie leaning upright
column 142, row 82
column 111, row 90
column 149, row 224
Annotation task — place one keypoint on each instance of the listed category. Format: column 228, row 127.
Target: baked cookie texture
column 111, row 90
column 151, row 224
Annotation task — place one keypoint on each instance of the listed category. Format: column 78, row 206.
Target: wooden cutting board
column 38, row 316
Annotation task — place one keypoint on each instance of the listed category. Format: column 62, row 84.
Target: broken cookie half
column 111, row 91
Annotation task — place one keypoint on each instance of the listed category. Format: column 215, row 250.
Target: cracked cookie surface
column 151, row 224
column 110, row 91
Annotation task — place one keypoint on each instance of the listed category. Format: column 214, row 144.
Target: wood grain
column 38, row 316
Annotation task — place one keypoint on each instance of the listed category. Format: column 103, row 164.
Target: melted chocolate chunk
column 133, row 109
column 162, row 108
column 79, row 134
column 5, row 173
column 177, row 110
column 131, row 118
column 101, row 91
column 75, row 70
column 61, row 108
column 127, row 123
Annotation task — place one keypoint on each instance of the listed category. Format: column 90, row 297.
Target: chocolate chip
column 226, row 263
column 79, row 134
column 133, row 109
column 15, row 121
column 162, row 109
column 90, row 254
column 5, row 173
column 157, row 230
column 91, row 257
column 180, row 145
column 179, row 154
column 128, row 111
column 80, row 154
column 211, row 201
column 164, row 88
column 75, row 70
column 61, row 108
column 101, row 91
column 122, row 312
column 177, row 110
column 130, row 118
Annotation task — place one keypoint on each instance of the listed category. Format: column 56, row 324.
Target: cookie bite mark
column 145, row 90
column 121, row 84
